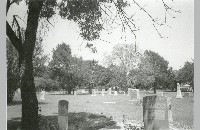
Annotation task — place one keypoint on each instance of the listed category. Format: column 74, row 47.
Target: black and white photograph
column 100, row 64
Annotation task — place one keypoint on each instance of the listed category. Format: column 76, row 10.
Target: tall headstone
column 93, row 92
column 169, row 109
column 109, row 91
column 18, row 90
column 74, row 92
column 63, row 115
column 178, row 91
column 155, row 113
column 128, row 91
column 103, row 92
column 134, row 94
column 42, row 94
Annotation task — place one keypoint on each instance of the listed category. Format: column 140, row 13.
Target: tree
column 60, row 66
column 125, row 56
column 85, row 13
column 153, row 68
column 186, row 74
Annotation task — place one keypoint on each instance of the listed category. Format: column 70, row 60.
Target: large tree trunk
column 28, row 92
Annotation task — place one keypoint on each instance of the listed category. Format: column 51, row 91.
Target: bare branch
column 18, row 28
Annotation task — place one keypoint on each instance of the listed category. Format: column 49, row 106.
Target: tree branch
column 13, row 38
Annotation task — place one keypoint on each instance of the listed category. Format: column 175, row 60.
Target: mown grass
column 105, row 112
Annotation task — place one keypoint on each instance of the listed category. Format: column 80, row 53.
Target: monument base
column 179, row 96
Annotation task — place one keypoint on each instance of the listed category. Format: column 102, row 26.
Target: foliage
column 185, row 75
column 46, row 84
column 13, row 73
column 39, row 59
column 152, row 71
column 60, row 65
column 125, row 56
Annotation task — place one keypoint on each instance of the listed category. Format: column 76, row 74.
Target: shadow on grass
column 13, row 103
column 77, row 121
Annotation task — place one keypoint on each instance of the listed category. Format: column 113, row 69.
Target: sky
column 176, row 47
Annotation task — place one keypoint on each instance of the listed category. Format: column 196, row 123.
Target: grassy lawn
column 99, row 106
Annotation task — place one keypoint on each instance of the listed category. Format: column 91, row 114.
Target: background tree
column 186, row 74
column 153, row 67
column 60, row 66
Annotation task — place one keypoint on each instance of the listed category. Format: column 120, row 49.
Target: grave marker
column 160, row 94
column 42, row 95
column 178, row 91
column 93, row 92
column 63, row 115
column 186, row 94
column 134, row 94
column 109, row 91
column 155, row 113
column 103, row 92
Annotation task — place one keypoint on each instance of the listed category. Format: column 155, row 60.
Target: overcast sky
column 177, row 46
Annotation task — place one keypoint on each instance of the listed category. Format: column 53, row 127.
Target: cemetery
column 100, row 65
column 135, row 110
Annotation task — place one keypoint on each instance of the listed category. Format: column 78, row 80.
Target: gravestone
column 63, row 115
column 74, row 92
column 115, row 93
column 155, row 113
column 128, row 91
column 93, row 92
column 18, row 90
column 160, row 94
column 186, row 94
column 169, row 109
column 178, row 91
column 103, row 92
column 134, row 94
column 109, row 91
column 42, row 94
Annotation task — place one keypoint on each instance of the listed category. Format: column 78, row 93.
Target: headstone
column 134, row 94
column 169, row 109
column 109, row 91
column 160, row 94
column 18, row 90
column 93, row 92
column 74, row 92
column 128, row 91
column 186, row 94
column 103, row 92
column 42, row 94
column 178, row 91
column 63, row 115
column 155, row 113
column 115, row 93
column 83, row 91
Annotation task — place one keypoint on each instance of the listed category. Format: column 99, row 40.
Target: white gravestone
column 178, row 91
column 42, row 95
column 18, row 90
column 74, row 92
column 93, row 92
column 115, row 93
column 160, row 94
column 103, row 92
column 109, row 91
column 128, row 91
